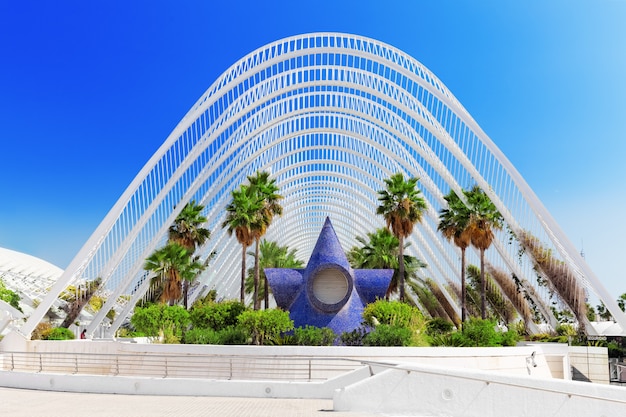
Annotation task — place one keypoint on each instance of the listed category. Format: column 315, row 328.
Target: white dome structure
column 27, row 275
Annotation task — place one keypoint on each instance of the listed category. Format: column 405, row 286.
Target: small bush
column 387, row 335
column 125, row 332
column 480, row 333
column 228, row 336
column 198, row 336
column 438, row 326
column 160, row 320
column 60, row 333
column 234, row 335
column 265, row 326
column 42, row 331
column 169, row 334
column 397, row 314
column 353, row 338
column 314, row 336
column 216, row 316
column 509, row 338
column 539, row 337
column 565, row 330
column 394, row 313
column 9, row 296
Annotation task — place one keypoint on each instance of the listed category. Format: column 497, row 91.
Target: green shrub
column 228, row 336
column 438, row 326
column 287, row 339
column 60, row 333
column 161, row 320
column 565, row 330
column 124, row 332
column 216, row 316
column 539, row 337
column 265, row 326
column 314, row 336
column 397, row 314
column 394, row 313
column 234, row 335
column 353, row 338
column 478, row 333
column 509, row 338
column 169, row 334
column 198, row 336
column 387, row 335
column 42, row 331
column 9, row 296
column 442, row 339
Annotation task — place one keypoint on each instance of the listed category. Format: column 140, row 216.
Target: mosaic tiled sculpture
column 328, row 292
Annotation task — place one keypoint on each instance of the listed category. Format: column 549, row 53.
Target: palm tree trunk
column 483, row 286
column 74, row 308
column 242, row 294
column 266, row 293
column 462, row 286
column 401, row 268
column 185, row 292
column 257, row 301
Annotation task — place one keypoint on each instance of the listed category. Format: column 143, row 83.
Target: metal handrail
column 203, row 366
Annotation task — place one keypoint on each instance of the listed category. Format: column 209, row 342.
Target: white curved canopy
column 330, row 116
column 27, row 275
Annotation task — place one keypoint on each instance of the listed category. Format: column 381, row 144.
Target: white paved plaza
column 31, row 403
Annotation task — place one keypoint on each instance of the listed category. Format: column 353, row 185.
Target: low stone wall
column 549, row 360
column 425, row 390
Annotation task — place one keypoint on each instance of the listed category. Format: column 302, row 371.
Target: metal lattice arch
column 330, row 116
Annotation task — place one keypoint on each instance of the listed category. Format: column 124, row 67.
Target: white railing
column 181, row 365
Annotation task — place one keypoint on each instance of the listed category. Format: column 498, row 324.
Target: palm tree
column 266, row 192
column 170, row 264
column 82, row 296
column 402, row 206
column 271, row 255
column 188, row 232
column 241, row 217
column 380, row 251
column 453, row 225
column 484, row 218
column 187, row 229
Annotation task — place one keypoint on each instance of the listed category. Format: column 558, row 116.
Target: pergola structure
column 330, row 116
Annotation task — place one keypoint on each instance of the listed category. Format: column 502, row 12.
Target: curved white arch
column 330, row 115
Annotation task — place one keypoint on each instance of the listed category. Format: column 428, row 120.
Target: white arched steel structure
column 331, row 116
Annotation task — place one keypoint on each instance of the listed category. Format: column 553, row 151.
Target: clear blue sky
column 90, row 89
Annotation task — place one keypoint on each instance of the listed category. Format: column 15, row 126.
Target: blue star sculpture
column 328, row 292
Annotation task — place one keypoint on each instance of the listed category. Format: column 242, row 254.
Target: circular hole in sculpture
column 330, row 286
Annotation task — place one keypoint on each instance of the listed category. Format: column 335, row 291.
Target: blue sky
column 89, row 90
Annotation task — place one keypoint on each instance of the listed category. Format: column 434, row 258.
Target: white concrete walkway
column 31, row 403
